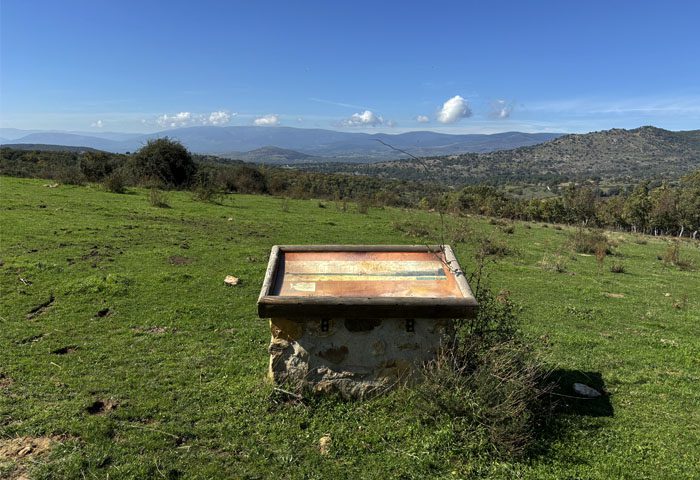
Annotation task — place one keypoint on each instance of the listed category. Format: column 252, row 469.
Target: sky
column 455, row 67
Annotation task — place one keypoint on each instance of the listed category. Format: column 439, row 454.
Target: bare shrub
column 553, row 263
column 672, row 256
column 115, row 182
column 491, row 247
column 158, row 198
column 413, row 229
column 284, row 206
column 617, row 268
column 206, row 186
column 591, row 242
column 490, row 384
column 498, row 221
column 363, row 205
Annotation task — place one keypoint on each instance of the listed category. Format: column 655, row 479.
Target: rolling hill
column 39, row 147
column 273, row 155
column 611, row 154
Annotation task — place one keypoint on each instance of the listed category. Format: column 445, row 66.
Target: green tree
column 638, row 207
column 163, row 162
column 689, row 203
column 664, row 211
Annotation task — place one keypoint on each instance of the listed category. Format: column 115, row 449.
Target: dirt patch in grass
column 41, row 308
column 31, row 339
column 22, row 452
column 100, row 407
column 105, row 312
column 5, row 381
column 178, row 260
column 614, row 295
column 65, row 350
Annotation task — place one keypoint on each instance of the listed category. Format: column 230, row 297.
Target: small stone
column 586, row 391
column 667, row 294
column 324, row 444
column 230, row 280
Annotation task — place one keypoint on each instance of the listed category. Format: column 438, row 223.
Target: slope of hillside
column 611, row 154
column 273, row 155
column 123, row 346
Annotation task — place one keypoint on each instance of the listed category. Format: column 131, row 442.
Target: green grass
column 185, row 358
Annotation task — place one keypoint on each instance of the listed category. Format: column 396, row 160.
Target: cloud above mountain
column 185, row 119
column 178, row 120
column 365, row 119
column 422, row 119
column 453, row 110
column 220, row 117
column 501, row 109
column 268, row 120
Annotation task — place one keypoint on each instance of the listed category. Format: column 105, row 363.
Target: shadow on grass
column 569, row 412
column 568, row 402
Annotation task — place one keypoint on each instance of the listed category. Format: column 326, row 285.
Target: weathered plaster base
column 355, row 358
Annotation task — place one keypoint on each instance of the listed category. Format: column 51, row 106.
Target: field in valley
column 127, row 356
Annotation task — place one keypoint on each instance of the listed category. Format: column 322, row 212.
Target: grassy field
column 125, row 352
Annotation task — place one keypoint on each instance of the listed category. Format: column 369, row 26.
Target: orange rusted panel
column 365, row 274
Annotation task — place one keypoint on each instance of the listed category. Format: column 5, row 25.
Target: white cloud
column 267, row 120
column 184, row 119
column 453, row 110
column 364, row 119
column 178, row 120
column 422, row 119
column 391, row 124
column 220, row 117
column 97, row 124
column 501, row 109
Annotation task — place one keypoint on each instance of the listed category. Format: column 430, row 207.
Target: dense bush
column 162, row 162
column 589, row 242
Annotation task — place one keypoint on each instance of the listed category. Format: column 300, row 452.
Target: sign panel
column 358, row 281
column 365, row 274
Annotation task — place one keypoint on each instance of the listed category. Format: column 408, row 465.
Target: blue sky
column 461, row 67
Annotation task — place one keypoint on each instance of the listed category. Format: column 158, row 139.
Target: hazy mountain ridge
column 48, row 148
column 610, row 154
column 330, row 144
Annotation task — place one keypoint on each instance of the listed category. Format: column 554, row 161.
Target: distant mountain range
column 617, row 154
column 246, row 142
column 42, row 147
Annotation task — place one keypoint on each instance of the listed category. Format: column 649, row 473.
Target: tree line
column 164, row 163
column 664, row 210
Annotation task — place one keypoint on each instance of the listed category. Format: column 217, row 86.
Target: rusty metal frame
column 365, row 307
